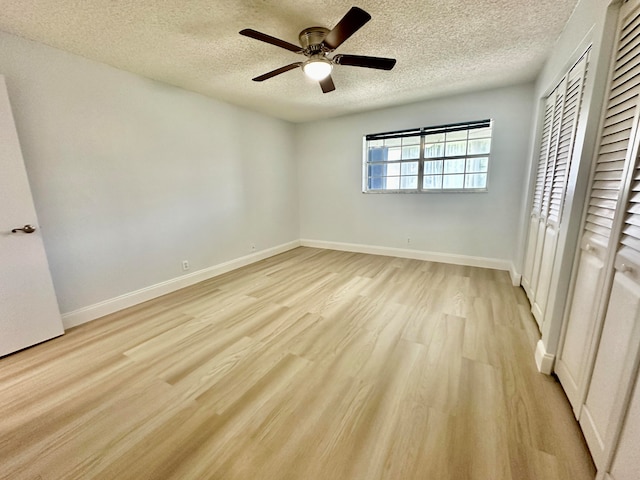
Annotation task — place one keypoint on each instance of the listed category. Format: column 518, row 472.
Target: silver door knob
column 25, row 229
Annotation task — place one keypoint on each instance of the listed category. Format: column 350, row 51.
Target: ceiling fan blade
column 363, row 61
column 327, row 84
column 263, row 37
column 350, row 24
column 277, row 71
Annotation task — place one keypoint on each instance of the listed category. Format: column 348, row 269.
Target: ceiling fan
column 316, row 43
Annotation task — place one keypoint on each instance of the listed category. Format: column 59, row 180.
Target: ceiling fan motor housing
column 311, row 40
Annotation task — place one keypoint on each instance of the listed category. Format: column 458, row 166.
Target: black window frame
column 373, row 164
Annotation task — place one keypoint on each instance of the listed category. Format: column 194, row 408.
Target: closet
column 561, row 116
column 600, row 353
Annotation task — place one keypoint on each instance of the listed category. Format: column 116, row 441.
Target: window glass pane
column 412, row 151
column 410, row 168
column 377, row 170
column 376, row 183
column 480, row 133
column 455, row 149
column 477, row 164
column 454, row 166
column 377, row 154
column 478, row 180
column 432, row 167
column 409, row 183
column 393, row 183
column 394, row 153
column 393, row 169
column 459, row 135
column 411, row 140
column 435, row 138
column 431, row 182
column 451, row 160
column 433, row 150
column 453, row 181
column 479, row 146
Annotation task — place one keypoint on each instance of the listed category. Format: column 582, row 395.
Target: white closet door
column 556, row 182
column 616, row 363
column 626, row 462
column 582, row 322
column 541, row 227
column 561, row 116
column 537, row 196
column 619, row 347
column 584, row 319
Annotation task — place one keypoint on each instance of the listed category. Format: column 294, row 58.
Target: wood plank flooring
column 313, row 364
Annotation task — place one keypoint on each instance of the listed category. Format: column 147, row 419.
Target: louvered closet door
column 556, row 182
column 536, row 215
column 615, row 369
column 584, row 315
column 602, row 285
column 625, row 463
column 541, row 227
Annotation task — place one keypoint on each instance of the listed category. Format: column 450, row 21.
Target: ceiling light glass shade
column 317, row 68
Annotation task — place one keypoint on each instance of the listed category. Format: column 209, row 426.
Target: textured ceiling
column 442, row 46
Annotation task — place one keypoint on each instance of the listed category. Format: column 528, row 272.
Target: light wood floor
column 310, row 365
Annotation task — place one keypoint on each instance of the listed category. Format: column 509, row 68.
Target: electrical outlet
column 408, row 240
column 185, row 265
column 253, row 247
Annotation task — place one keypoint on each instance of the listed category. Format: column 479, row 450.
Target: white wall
column 130, row 176
column 334, row 209
column 587, row 22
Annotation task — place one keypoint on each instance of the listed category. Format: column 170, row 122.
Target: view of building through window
column 431, row 159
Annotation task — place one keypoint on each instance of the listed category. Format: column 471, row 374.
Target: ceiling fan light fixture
column 317, row 68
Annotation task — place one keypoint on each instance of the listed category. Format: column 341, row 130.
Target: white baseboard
column 544, row 360
column 92, row 312
column 516, row 278
column 454, row 259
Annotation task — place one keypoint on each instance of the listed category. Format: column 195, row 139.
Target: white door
column 616, row 361
column 545, row 252
column 617, row 352
column 562, row 109
column 625, row 462
column 593, row 277
column 542, row 191
column 28, row 307
column 536, row 208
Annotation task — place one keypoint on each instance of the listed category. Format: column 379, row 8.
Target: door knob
column 25, row 229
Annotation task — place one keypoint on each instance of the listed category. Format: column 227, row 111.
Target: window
column 432, row 159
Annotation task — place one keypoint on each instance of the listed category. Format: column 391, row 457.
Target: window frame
column 424, row 132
